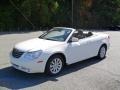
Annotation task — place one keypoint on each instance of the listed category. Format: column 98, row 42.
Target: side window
column 75, row 35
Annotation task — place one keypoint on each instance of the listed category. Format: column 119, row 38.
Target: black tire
column 48, row 71
column 102, row 52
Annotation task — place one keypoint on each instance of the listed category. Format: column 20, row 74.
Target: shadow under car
column 14, row 79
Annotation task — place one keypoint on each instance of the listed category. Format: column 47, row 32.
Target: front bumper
column 21, row 68
column 28, row 66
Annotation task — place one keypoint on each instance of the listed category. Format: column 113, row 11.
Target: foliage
column 97, row 13
column 33, row 14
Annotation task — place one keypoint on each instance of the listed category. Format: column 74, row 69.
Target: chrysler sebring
column 56, row 48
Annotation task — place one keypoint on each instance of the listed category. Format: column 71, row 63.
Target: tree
column 33, row 14
column 97, row 13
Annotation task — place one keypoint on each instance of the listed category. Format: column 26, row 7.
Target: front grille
column 17, row 53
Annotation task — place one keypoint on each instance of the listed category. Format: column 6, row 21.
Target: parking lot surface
column 91, row 74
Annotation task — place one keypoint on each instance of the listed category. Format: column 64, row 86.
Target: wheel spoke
column 56, row 65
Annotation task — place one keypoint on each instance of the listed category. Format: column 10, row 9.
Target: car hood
column 36, row 44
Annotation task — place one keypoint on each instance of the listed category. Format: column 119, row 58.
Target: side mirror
column 73, row 39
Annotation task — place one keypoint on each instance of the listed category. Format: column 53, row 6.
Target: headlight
column 32, row 55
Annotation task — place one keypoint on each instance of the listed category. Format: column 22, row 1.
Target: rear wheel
column 54, row 65
column 102, row 52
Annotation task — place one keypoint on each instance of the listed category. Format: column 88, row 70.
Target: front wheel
column 54, row 65
column 102, row 52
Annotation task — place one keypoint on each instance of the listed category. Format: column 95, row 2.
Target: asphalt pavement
column 91, row 74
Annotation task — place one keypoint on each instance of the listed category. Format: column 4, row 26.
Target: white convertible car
column 58, row 47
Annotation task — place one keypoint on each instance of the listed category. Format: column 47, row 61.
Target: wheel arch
column 58, row 53
column 104, row 44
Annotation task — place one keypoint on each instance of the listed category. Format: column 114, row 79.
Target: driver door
column 78, row 51
column 73, row 52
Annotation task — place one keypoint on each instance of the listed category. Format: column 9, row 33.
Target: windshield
column 56, row 34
